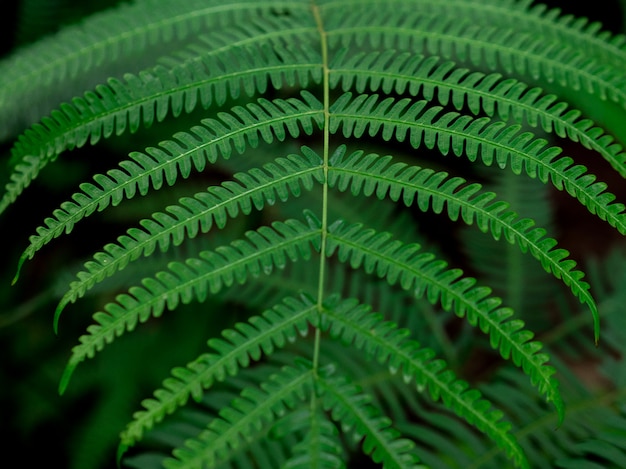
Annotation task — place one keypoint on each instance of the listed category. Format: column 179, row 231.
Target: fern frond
column 514, row 52
column 477, row 139
column 372, row 174
column 423, row 275
column 149, row 97
column 398, row 306
column 439, row 437
column 321, row 447
column 354, row 410
column 503, row 267
column 266, row 448
column 260, row 335
column 444, row 442
column 491, row 94
column 590, row 416
column 354, row 324
column 598, row 454
column 267, row 26
column 256, row 188
column 578, row 32
column 125, row 105
column 247, row 414
column 537, row 20
column 129, row 34
column 262, row 251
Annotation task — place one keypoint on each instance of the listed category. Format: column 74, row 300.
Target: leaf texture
column 253, row 190
column 551, row 25
column 309, row 93
column 478, row 140
column 372, row 174
column 356, row 325
column 239, row 347
column 150, row 97
column 515, row 52
column 590, row 431
column 247, row 414
column 245, row 127
column 424, row 275
column 354, row 410
column 128, row 34
column 261, row 252
column 321, row 448
column 444, row 82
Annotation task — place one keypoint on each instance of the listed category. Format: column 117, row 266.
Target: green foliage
column 303, row 184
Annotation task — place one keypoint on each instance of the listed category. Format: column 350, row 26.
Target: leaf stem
column 324, row 229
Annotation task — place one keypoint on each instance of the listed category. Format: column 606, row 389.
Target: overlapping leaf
column 551, row 25
column 423, row 275
column 261, row 252
column 500, row 49
column 254, row 409
column 446, row 83
column 479, row 139
column 134, row 35
column 321, row 448
column 354, row 410
column 141, row 100
column 436, row 191
column 243, row 49
column 275, row 181
column 385, row 342
column 240, row 346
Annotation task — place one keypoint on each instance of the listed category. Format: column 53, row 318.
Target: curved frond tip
column 424, row 275
column 260, row 253
column 374, row 175
column 244, row 127
column 278, row 181
column 384, row 342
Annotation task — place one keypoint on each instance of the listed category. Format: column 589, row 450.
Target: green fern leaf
column 150, row 97
column 372, row 174
column 354, row 410
column 442, row 441
column 592, row 422
column 477, row 139
column 215, row 138
column 509, row 50
column 321, row 447
column 149, row 63
column 505, row 269
column 355, row 325
column 119, row 106
column 134, row 35
column 390, row 71
column 263, row 251
column 247, row 414
column 523, row 16
column 264, row 448
column 423, row 275
column 260, row 335
column 577, row 32
column 275, row 181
